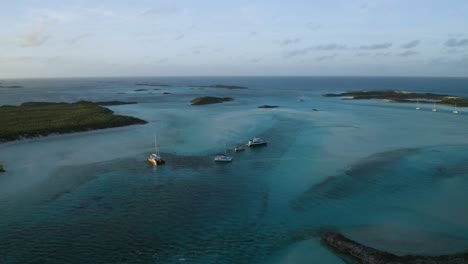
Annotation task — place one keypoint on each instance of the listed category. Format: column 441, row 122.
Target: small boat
column 256, row 142
column 456, row 110
column 417, row 106
column 223, row 157
column 239, row 148
column 434, row 109
column 155, row 158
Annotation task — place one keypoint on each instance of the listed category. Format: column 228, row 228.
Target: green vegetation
column 41, row 118
column 405, row 97
column 219, row 86
column 210, row 100
column 268, row 106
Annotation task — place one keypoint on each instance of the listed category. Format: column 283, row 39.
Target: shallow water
column 382, row 173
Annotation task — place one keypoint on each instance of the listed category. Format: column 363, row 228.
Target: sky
column 57, row 38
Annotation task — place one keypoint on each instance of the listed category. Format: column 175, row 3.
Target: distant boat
column 256, row 142
column 223, row 157
column 239, row 148
column 435, row 108
column 417, row 106
column 155, row 158
column 456, row 110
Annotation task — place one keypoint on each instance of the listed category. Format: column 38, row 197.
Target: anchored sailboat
column 456, row 110
column 417, row 105
column 434, row 109
column 223, row 157
column 155, row 158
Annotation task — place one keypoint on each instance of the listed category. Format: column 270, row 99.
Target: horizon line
column 236, row 76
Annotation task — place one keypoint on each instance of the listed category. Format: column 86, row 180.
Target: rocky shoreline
column 368, row 255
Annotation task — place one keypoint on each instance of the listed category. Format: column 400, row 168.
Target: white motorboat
column 256, row 142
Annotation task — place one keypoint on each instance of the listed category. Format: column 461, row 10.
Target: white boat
column 417, row 106
column 434, row 109
column 456, row 110
column 239, row 148
column 223, row 157
column 256, row 142
column 155, row 158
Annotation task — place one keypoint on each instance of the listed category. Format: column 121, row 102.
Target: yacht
column 455, row 111
column 434, row 109
column 155, row 158
column 239, row 148
column 223, row 157
column 417, row 106
column 256, row 142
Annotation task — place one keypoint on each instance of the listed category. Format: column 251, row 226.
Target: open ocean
column 381, row 173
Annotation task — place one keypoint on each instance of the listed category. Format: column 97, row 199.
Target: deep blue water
column 381, row 173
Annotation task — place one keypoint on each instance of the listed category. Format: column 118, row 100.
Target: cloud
column 312, row 26
column 325, row 57
column 297, row 52
column 410, row 44
column 289, row 41
column 35, row 37
column 304, row 51
column 198, row 49
column 179, row 37
column 376, row 46
column 383, row 54
column 77, row 39
column 331, row 47
column 453, row 42
column 408, row 53
column 256, row 60
column 159, row 11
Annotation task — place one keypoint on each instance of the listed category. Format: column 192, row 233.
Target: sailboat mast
column 156, row 145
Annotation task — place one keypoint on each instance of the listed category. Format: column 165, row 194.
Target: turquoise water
column 382, row 173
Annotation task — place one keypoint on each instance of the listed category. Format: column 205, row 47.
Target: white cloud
column 37, row 36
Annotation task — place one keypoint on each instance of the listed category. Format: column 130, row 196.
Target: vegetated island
column 219, row 86
column 268, row 106
column 11, row 86
column 369, row 255
column 152, row 84
column 44, row 118
column 404, row 97
column 210, row 100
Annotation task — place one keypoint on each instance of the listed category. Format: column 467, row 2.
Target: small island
column 2, row 169
column 11, row 86
column 219, row 86
column 404, row 97
column 210, row 100
column 368, row 255
column 152, row 84
column 35, row 119
column 140, row 90
column 268, row 106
